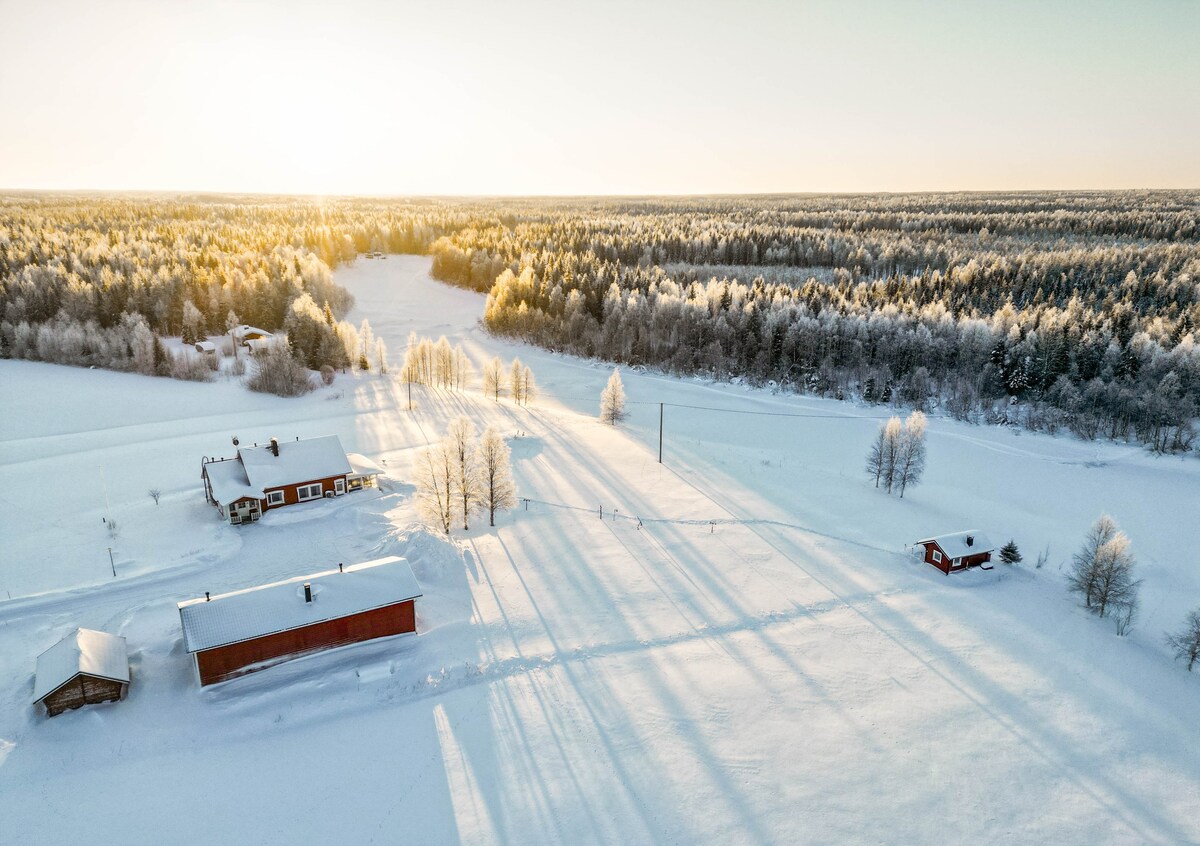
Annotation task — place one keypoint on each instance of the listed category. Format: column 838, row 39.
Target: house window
column 275, row 498
column 307, row 492
column 937, row 557
column 339, row 486
column 957, row 562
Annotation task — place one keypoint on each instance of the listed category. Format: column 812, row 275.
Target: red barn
column 247, row 630
column 275, row 474
column 957, row 551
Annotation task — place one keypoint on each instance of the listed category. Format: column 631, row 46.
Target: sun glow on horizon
column 379, row 98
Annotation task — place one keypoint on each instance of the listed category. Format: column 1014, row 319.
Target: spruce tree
column 1009, row 553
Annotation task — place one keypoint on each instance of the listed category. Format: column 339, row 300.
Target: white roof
column 360, row 465
column 956, row 546
column 83, row 651
column 246, row 329
column 280, row 607
column 229, row 482
column 298, row 461
column 205, row 346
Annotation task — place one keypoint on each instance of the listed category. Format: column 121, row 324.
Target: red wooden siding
column 225, row 662
column 947, row 563
column 291, row 493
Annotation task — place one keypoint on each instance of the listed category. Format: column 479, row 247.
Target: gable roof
column 83, row 651
column 228, row 481
column 956, row 545
column 298, row 461
column 363, row 466
column 280, row 606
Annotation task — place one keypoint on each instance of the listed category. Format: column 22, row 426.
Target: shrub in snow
column 278, row 373
column 327, row 374
column 1186, row 642
column 190, row 368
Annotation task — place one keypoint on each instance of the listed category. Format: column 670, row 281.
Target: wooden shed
column 84, row 668
column 957, row 551
column 247, row 630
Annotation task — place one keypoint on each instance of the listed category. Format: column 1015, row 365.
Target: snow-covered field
column 759, row 661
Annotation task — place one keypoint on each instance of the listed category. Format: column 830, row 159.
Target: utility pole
column 111, row 563
column 660, row 431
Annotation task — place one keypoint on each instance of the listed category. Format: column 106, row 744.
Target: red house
column 958, row 551
column 246, row 630
column 260, row 478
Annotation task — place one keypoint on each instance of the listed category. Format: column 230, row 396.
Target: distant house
column 206, row 347
column 84, row 668
column 957, row 551
column 240, row 632
column 251, row 336
column 280, row 473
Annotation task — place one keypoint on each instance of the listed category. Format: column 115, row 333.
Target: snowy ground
column 759, row 662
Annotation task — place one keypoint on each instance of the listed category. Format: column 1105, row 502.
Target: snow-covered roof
column 360, row 465
column 229, row 482
column 280, row 607
column 205, row 346
column 83, row 651
column 246, row 329
column 298, row 461
column 962, row 544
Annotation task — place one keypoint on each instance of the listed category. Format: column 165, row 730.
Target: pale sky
column 640, row 97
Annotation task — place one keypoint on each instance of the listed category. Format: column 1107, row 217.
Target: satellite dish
column 235, row 440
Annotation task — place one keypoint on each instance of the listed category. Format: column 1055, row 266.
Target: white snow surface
column 758, row 660
column 82, row 651
column 956, row 546
column 281, row 606
column 299, row 460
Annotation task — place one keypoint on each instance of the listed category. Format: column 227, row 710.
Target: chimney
column 207, row 598
column 340, row 570
column 275, row 447
column 970, row 540
column 308, row 592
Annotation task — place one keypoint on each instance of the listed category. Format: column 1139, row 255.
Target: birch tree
column 1084, row 574
column 528, row 388
column 435, row 485
column 875, row 457
column 612, row 400
column 498, row 491
column 460, row 444
column 516, row 377
column 911, row 453
column 493, row 378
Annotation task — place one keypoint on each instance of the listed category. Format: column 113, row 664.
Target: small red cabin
column 957, row 551
column 247, row 630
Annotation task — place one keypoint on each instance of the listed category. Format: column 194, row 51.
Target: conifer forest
column 1075, row 311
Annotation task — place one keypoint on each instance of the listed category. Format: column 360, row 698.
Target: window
column 957, row 562
column 937, row 557
column 275, row 498
column 307, row 492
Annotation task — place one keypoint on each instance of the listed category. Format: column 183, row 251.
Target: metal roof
column 298, row 461
column 280, row 606
column 83, row 651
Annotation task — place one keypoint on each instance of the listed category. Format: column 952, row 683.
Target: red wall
column 225, row 662
column 947, row 561
column 291, row 494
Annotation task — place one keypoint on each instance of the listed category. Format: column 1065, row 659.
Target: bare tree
column 528, row 388
column 154, row 494
column 1116, row 588
column 612, row 400
column 875, row 455
column 493, row 378
column 460, row 443
column 435, row 479
column 516, row 379
column 1186, row 642
column 911, row 452
column 1084, row 573
column 497, row 489
column 893, row 433
column 381, row 355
